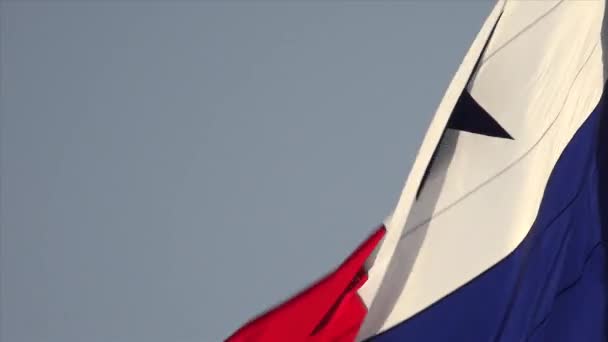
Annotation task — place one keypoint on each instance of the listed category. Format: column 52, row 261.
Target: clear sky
column 167, row 171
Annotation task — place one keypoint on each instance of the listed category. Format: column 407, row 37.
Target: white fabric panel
column 395, row 223
column 540, row 77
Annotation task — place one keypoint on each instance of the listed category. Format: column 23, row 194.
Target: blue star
column 470, row 117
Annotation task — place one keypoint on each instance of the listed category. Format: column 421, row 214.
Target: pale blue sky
column 169, row 170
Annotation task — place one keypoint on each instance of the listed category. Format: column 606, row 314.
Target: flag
column 499, row 232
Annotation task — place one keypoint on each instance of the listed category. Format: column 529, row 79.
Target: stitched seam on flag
column 529, row 26
column 569, row 286
column 515, row 162
column 334, row 308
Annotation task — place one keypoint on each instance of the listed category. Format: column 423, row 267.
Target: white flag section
column 498, row 234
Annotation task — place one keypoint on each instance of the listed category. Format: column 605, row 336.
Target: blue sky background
column 168, row 170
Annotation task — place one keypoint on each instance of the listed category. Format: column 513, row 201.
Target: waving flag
column 499, row 232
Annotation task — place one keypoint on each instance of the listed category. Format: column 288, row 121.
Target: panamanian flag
column 499, row 232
